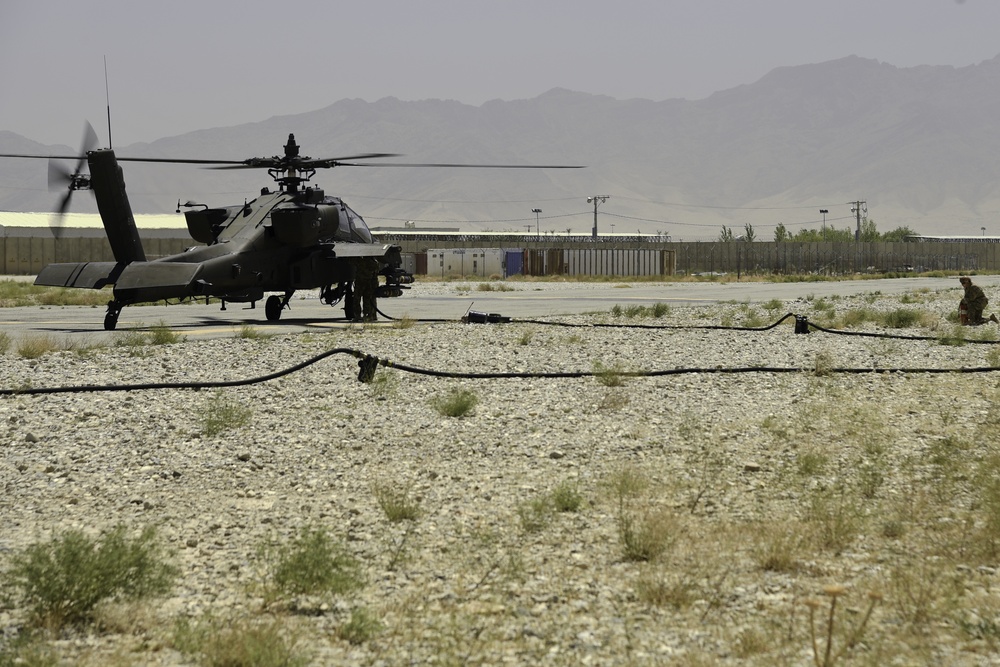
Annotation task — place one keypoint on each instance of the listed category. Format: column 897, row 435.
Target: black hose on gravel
column 368, row 364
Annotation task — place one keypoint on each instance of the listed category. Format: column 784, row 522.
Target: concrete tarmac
column 83, row 326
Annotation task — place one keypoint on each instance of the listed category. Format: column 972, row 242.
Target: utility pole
column 859, row 207
column 597, row 200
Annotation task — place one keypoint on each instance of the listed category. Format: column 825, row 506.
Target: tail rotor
column 61, row 178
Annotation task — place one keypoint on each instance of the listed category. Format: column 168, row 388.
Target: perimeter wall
column 27, row 254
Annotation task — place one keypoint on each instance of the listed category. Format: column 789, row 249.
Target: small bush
column 161, row 334
column 311, row 563
column 4, row 342
column 837, row 519
column 384, row 386
column 27, row 649
column 63, row 580
column 494, row 287
column 779, row 547
column 34, row 347
column 222, row 414
column 824, row 363
column 132, row 339
column 250, row 332
column 609, row 376
column 626, row 484
column 662, row 590
column 396, row 502
column 360, row 627
column 534, row 514
column 953, row 336
column 566, row 497
column 774, row 305
column 216, row 643
column 458, row 403
column 902, row 318
column 645, row 536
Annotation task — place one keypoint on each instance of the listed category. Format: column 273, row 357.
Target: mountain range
column 919, row 146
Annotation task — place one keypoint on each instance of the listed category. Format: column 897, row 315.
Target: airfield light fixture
column 536, row 211
column 597, row 200
column 824, row 211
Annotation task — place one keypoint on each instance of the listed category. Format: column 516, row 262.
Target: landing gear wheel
column 273, row 307
column 111, row 317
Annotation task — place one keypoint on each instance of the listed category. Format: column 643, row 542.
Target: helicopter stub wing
column 345, row 250
column 85, row 275
column 139, row 275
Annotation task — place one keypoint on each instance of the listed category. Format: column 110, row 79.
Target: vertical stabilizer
column 108, row 184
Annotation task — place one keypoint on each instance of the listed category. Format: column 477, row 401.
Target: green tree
column 898, row 234
column 726, row 235
column 781, row 233
column 748, row 233
column 869, row 231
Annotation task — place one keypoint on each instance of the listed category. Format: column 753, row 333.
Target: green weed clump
column 566, row 497
column 132, row 340
column 222, row 414
column 161, row 334
column 34, row 347
column 657, row 310
column 4, row 342
column 28, row 649
column 646, row 535
column 609, row 376
column 494, row 287
column 63, row 580
column 458, row 403
column 395, row 502
column 218, row 643
column 903, row 318
column 250, row 332
column 360, row 627
column 535, row 513
column 310, row 563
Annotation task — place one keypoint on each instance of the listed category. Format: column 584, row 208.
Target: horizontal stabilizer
column 88, row 275
column 144, row 275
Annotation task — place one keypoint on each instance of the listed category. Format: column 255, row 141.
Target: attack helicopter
column 295, row 237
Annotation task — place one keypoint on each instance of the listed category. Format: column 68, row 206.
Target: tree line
column 869, row 233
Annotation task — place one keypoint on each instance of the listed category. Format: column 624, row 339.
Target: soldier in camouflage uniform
column 974, row 302
column 365, row 286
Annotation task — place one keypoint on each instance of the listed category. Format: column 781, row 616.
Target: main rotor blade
column 41, row 157
column 470, row 166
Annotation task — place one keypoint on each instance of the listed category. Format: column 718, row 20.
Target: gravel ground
column 727, row 463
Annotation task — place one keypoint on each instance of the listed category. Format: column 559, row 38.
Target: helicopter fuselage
column 279, row 242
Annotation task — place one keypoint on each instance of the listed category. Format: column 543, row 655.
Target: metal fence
column 834, row 258
column 26, row 254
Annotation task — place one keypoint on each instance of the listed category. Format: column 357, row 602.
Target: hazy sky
column 180, row 65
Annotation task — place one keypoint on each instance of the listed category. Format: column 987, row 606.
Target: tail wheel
column 273, row 307
column 111, row 317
